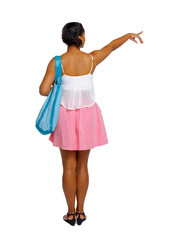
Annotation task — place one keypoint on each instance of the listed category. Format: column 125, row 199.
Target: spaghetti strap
column 92, row 62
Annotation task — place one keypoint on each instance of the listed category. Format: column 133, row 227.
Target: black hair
column 70, row 33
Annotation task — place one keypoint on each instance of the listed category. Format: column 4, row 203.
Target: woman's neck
column 73, row 49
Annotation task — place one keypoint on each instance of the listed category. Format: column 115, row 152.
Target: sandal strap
column 81, row 213
column 69, row 214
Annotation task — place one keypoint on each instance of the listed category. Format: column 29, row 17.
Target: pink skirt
column 79, row 129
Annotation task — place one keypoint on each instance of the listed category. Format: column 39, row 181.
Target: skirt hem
column 98, row 145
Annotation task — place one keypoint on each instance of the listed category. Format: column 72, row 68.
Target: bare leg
column 82, row 178
column 69, row 178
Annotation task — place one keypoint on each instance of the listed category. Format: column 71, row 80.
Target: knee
column 81, row 167
column 70, row 168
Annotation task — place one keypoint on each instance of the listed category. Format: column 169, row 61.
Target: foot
column 65, row 217
column 81, row 215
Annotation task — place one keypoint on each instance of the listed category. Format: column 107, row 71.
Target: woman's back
column 78, row 91
column 77, row 64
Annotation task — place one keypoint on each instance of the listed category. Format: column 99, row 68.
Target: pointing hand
column 132, row 37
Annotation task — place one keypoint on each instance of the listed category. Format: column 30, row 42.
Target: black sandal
column 70, row 221
column 80, row 220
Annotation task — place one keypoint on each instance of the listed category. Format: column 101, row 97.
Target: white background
column 129, row 191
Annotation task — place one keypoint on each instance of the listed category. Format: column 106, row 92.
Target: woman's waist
column 77, row 105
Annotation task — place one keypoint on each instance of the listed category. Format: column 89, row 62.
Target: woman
column 80, row 125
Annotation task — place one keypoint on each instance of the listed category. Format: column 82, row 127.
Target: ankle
column 71, row 210
column 79, row 210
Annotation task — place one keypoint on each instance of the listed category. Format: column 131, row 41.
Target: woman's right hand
column 133, row 35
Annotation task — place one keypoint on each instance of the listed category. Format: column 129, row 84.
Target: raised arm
column 100, row 55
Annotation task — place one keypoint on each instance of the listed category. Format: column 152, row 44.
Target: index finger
column 140, row 32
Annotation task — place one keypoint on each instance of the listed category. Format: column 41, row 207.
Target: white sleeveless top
column 78, row 91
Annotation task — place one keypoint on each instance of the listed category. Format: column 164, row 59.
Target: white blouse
column 78, row 91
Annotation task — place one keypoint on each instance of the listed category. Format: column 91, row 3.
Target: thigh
column 82, row 158
column 68, row 159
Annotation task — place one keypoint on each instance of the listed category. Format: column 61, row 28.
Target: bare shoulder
column 101, row 54
column 94, row 55
column 51, row 63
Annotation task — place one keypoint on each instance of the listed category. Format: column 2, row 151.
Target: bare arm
column 100, row 55
column 48, row 80
column 119, row 41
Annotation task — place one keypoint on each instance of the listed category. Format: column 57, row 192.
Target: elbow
column 44, row 92
column 41, row 91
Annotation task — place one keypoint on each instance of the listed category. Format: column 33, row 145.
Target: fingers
column 140, row 39
column 134, row 40
column 136, row 35
column 139, row 33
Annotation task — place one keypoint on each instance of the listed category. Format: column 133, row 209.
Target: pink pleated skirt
column 79, row 129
